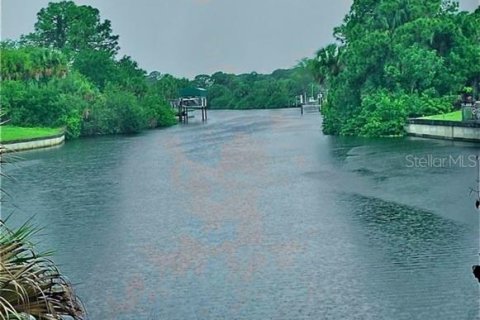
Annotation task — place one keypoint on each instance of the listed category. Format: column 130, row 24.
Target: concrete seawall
column 442, row 129
column 37, row 143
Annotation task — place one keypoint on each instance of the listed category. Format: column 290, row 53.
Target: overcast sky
column 190, row 37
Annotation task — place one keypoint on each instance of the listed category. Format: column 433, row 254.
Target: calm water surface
column 255, row 215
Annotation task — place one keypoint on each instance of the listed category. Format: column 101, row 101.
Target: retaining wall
column 442, row 129
column 36, row 143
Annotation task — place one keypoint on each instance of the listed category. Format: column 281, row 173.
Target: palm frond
column 30, row 283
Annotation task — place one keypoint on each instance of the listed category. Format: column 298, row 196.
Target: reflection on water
column 255, row 215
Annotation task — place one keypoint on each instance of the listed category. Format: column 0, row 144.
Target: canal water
column 257, row 215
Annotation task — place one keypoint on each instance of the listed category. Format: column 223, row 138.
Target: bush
column 73, row 125
column 116, row 112
column 58, row 102
column 157, row 112
column 37, row 105
column 383, row 114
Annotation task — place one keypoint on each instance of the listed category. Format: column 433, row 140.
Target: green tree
column 258, row 91
column 130, row 76
column 24, row 63
column 97, row 66
column 396, row 51
column 73, row 28
column 168, row 86
column 202, row 81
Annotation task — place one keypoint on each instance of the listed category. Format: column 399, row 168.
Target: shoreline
column 33, row 143
column 443, row 129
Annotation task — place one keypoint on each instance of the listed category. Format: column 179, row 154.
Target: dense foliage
column 30, row 62
column 65, row 74
column 393, row 59
column 396, row 59
column 253, row 90
column 73, row 29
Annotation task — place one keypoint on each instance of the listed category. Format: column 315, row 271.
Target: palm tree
column 38, row 63
column 327, row 63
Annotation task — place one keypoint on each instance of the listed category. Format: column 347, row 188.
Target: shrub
column 115, row 112
column 157, row 112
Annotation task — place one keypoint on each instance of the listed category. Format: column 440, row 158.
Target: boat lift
column 191, row 99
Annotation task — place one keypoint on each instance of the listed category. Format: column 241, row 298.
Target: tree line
column 257, row 91
column 396, row 59
column 66, row 74
column 392, row 60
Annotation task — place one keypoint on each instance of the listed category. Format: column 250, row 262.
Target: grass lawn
column 452, row 116
column 10, row 133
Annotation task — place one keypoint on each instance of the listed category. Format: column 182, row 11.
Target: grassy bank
column 452, row 116
column 12, row 133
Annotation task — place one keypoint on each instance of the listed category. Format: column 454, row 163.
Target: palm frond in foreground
column 31, row 286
